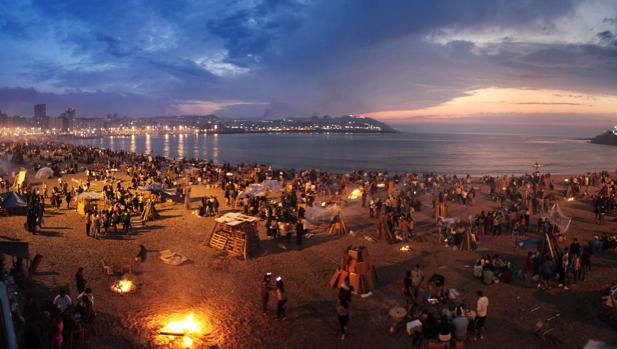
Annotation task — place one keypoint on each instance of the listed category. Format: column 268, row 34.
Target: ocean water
column 475, row 154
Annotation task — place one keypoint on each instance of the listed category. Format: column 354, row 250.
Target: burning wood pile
column 182, row 332
column 123, row 286
column 355, row 194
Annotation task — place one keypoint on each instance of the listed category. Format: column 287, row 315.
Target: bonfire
column 186, row 329
column 356, row 193
column 123, row 286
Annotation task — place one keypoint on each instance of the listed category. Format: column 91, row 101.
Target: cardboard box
column 334, row 279
column 362, row 268
column 354, row 280
column 353, row 254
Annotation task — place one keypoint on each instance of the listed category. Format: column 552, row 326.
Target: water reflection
column 215, row 148
column 111, row 143
column 196, row 146
column 133, row 144
column 148, row 144
column 166, row 145
column 180, row 145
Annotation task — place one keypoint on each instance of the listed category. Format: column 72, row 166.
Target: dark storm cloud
column 285, row 57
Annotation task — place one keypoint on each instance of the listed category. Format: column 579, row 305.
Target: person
column 281, row 299
column 408, row 291
column 345, row 290
column 299, row 231
column 266, row 288
column 530, row 264
column 417, row 276
column 461, row 323
column 563, row 271
column 342, row 311
column 56, row 330
column 85, row 305
column 481, row 314
column 444, row 330
column 143, row 253
column 80, row 280
column 62, row 301
column 88, row 223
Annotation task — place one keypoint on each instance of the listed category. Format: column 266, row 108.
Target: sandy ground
column 224, row 291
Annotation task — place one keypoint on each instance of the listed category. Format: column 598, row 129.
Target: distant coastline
column 607, row 138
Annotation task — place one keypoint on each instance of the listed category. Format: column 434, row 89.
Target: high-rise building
column 40, row 116
column 71, row 115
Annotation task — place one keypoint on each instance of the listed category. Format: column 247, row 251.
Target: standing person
column 563, row 271
column 299, row 231
column 88, row 223
column 80, row 280
column 281, row 299
column 187, row 197
column 68, row 198
column 342, row 311
column 344, row 292
column 481, row 314
column 417, row 276
column 97, row 225
column 408, row 291
column 461, row 323
column 530, row 264
column 266, row 288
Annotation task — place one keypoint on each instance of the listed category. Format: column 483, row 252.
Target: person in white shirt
column 63, row 301
column 482, row 312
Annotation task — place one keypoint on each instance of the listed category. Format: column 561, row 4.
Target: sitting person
column 461, row 323
column 444, row 330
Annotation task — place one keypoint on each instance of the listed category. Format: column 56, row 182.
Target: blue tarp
column 11, row 200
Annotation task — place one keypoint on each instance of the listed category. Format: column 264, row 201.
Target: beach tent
column 558, row 218
column 152, row 188
column 86, row 200
column 320, row 215
column 13, row 203
column 44, row 173
column 261, row 189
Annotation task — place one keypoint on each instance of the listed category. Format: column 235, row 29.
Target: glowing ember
column 185, row 328
column 571, row 199
column 405, row 248
column 123, row 286
column 356, row 193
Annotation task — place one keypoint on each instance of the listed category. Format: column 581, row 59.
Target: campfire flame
column 571, row 199
column 123, row 286
column 405, row 248
column 356, row 193
column 185, row 328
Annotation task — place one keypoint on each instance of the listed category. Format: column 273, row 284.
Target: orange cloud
column 495, row 100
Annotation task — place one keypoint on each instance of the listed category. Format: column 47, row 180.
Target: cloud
column 300, row 57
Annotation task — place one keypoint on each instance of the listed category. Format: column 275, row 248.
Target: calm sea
column 474, row 154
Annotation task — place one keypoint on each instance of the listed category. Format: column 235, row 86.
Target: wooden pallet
column 236, row 246
column 219, row 241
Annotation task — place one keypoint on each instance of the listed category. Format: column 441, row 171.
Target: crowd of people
column 432, row 313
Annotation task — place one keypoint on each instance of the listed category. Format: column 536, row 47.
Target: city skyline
column 403, row 62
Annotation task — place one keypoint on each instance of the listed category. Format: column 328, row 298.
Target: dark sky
column 401, row 61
